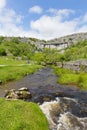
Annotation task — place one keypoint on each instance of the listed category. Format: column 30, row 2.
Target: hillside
column 26, row 47
column 31, row 48
column 26, row 40
column 18, row 46
column 74, row 38
column 70, row 39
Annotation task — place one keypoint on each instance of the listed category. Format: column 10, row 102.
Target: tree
column 38, row 57
column 62, row 59
column 1, row 39
column 2, row 51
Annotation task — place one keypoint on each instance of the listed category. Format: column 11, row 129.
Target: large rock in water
column 22, row 93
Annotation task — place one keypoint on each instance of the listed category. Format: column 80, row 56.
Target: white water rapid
column 60, row 118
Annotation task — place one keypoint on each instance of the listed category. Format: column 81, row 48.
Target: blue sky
column 43, row 19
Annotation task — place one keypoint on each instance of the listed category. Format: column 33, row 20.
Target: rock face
column 38, row 43
column 73, row 38
column 65, row 41
column 78, row 65
column 22, row 93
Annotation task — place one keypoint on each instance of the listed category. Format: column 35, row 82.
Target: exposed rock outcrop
column 73, row 38
column 78, row 65
column 22, row 93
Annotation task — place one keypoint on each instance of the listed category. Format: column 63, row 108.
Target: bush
column 2, row 51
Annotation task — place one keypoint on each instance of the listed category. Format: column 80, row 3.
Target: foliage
column 38, row 57
column 16, row 48
column 1, row 39
column 2, row 51
column 51, row 55
column 20, row 115
column 77, row 51
column 33, row 39
column 47, row 56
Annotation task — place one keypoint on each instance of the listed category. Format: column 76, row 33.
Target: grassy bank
column 15, row 69
column 69, row 77
column 20, row 115
column 10, row 73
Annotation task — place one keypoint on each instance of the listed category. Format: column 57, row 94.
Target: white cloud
column 85, row 17
column 9, row 16
column 45, row 27
column 2, row 3
column 52, row 27
column 36, row 9
column 10, row 22
column 65, row 12
column 49, row 27
column 61, row 12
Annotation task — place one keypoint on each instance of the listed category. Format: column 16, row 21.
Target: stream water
column 65, row 106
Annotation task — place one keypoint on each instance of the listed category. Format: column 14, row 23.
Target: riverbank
column 20, row 115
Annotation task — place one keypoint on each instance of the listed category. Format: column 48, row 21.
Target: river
column 65, row 106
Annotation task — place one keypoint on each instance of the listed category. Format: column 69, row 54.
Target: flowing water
column 65, row 106
column 65, row 114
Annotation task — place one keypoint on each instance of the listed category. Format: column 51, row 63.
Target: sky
column 42, row 19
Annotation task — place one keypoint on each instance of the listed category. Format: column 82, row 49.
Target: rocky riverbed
column 65, row 106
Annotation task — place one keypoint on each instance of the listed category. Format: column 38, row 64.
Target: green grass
column 20, row 115
column 69, row 77
column 10, row 73
column 15, row 69
column 9, row 61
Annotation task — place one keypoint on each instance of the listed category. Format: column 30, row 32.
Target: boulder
column 11, row 94
column 22, row 93
column 23, row 89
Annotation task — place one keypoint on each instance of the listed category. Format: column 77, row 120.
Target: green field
column 20, row 115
